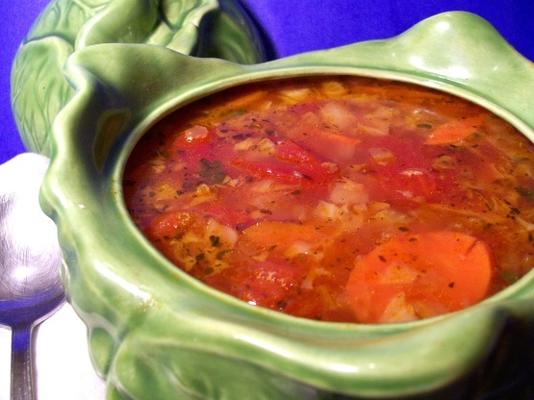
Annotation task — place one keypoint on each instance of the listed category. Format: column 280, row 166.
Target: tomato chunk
column 264, row 283
column 169, row 225
column 289, row 163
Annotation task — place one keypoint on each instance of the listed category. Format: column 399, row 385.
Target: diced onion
column 338, row 115
column 406, row 193
column 244, row 144
column 333, row 88
column 203, row 194
column 261, row 256
column 262, row 186
column 202, row 190
column 298, row 248
column 525, row 224
column 266, row 146
column 391, row 216
column 395, row 275
column 162, row 192
column 308, row 282
column 398, row 310
column 378, row 122
column 227, row 234
column 378, row 206
column 194, row 133
column 158, row 165
column 189, row 237
column 266, row 105
column 188, row 262
column 412, row 172
column 296, row 94
column 327, row 210
column 349, row 192
column 381, row 155
column 330, row 166
column 246, row 100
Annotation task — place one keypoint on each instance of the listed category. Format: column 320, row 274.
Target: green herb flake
column 424, row 125
column 525, row 191
column 282, row 304
column 221, row 254
column 211, row 172
column 215, row 240
column 508, row 277
column 236, row 112
column 208, row 271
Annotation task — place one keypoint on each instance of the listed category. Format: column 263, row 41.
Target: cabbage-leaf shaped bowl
column 155, row 332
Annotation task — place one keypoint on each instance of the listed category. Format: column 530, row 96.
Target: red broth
column 339, row 198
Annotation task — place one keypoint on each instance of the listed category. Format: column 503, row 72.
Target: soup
column 339, row 198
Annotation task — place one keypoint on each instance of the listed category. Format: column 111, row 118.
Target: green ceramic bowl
column 155, row 332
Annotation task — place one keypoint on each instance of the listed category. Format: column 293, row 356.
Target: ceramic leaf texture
column 146, row 21
column 231, row 36
column 175, row 24
column 121, row 21
column 39, row 89
column 182, row 27
column 64, row 18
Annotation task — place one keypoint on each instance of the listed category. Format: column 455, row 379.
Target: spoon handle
column 22, row 371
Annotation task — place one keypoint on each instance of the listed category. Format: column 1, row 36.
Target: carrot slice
column 454, row 131
column 418, row 276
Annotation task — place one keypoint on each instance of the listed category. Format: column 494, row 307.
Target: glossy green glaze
column 155, row 332
column 218, row 28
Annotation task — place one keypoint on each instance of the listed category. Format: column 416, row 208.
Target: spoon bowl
column 30, row 257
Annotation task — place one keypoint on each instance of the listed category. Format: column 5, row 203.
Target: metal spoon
column 30, row 286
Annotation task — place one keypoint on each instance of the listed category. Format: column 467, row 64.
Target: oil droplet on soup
column 339, row 198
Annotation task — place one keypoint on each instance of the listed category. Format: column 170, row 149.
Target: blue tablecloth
column 293, row 26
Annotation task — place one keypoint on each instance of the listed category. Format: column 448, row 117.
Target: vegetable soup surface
column 339, row 198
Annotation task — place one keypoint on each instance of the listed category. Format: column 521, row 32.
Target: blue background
column 293, row 26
